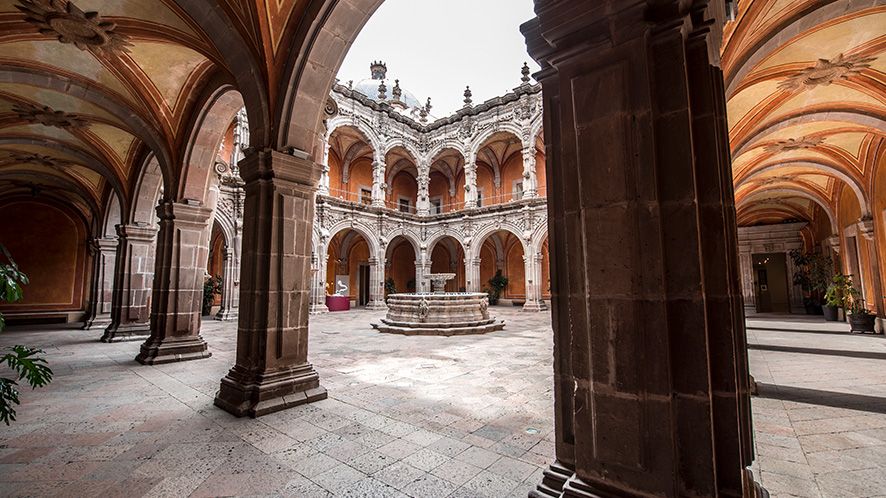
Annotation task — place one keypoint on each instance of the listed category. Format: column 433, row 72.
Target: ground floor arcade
column 407, row 416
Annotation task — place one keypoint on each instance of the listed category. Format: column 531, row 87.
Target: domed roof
column 369, row 87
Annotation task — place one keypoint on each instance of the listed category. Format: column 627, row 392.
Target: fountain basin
column 446, row 314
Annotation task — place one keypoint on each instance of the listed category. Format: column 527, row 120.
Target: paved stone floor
column 407, row 416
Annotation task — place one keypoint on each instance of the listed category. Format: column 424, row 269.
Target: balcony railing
column 453, row 207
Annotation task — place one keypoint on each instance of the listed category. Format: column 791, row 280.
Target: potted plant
column 836, row 297
column 812, row 274
column 860, row 319
column 211, row 287
column 390, row 287
column 496, row 285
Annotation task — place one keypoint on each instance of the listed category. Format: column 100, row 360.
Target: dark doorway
column 363, row 294
column 771, row 280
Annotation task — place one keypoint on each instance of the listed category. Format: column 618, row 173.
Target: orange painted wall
column 49, row 245
column 359, row 254
column 403, row 185
column 511, row 172
column 541, row 174
column 515, row 270
column 848, row 214
column 439, row 187
column 878, row 194
column 486, row 183
column 441, row 263
column 545, row 271
column 360, row 177
column 402, row 266
column 335, row 171
column 487, row 263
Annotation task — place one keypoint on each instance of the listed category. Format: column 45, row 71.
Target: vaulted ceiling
column 806, row 89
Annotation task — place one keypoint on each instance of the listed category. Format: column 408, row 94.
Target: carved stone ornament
column 65, row 21
column 794, row 144
column 47, row 116
column 825, row 72
column 40, row 160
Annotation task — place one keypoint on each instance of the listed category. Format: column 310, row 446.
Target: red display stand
column 338, row 303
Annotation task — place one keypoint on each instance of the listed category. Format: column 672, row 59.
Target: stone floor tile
column 426, row 459
column 456, row 472
column 492, row 485
column 399, row 475
column 512, row 469
column 478, row 457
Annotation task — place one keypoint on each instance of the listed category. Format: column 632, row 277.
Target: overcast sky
column 437, row 47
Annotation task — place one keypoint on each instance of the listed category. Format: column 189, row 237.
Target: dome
column 369, row 88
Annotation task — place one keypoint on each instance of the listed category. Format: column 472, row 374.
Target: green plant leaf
column 8, row 399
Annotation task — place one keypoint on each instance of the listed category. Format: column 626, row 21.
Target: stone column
column 377, row 283
column 378, row 182
column 272, row 372
column 323, row 187
column 748, row 288
column 423, row 204
column 650, row 369
column 472, row 275
column 133, row 276
column 530, row 179
column 230, row 297
column 534, row 302
column 104, row 253
column 318, row 288
column 182, row 251
column 471, row 182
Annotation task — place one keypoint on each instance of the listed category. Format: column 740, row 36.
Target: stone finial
column 351, row 84
column 468, row 95
column 525, row 72
column 382, row 91
column 397, row 92
column 379, row 70
column 428, row 105
column 423, row 114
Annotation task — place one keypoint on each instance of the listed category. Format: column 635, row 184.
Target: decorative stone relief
column 47, row 116
column 825, row 72
column 65, row 21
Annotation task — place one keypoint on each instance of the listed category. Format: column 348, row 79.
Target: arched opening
column 443, row 190
column 400, row 266
column 215, row 270
column 503, row 251
column 448, row 256
column 500, row 169
column 402, row 180
column 58, row 283
column 350, row 165
column 349, row 267
column 856, row 245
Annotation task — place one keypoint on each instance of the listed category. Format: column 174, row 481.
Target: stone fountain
column 439, row 313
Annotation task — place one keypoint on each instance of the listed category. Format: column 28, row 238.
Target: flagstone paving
column 406, row 416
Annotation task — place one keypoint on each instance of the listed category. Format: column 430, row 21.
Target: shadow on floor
column 868, row 355
column 860, row 402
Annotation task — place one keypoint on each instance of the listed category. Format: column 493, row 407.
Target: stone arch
column 368, row 133
column 148, row 191
column 481, row 235
column 480, row 140
column 539, row 236
column 795, row 192
column 113, row 216
column 446, row 232
column 447, row 144
column 826, row 169
column 393, row 143
column 360, row 228
column 199, row 171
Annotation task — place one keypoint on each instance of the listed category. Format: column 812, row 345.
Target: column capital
column 137, row 233
column 269, row 164
column 866, row 228
column 190, row 214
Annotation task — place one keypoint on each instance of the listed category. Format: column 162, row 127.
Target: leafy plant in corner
column 813, row 274
column 836, row 297
column 212, row 287
column 390, row 287
column 24, row 361
column 496, row 285
column 860, row 319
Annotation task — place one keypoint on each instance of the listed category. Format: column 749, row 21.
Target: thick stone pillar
column 651, row 382
column 378, row 182
column 230, row 296
column 530, row 179
column 182, row 251
column 272, row 372
column 534, row 301
column 104, row 254
column 377, row 283
column 133, row 277
column 471, row 182
column 748, row 288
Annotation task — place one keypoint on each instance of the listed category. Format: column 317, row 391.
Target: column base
column 96, row 322
column 318, row 309
column 752, row 488
column 553, row 480
column 535, row 307
column 159, row 351
column 127, row 332
column 225, row 315
column 249, row 393
column 376, row 306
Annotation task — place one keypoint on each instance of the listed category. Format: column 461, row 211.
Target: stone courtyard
column 407, row 416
